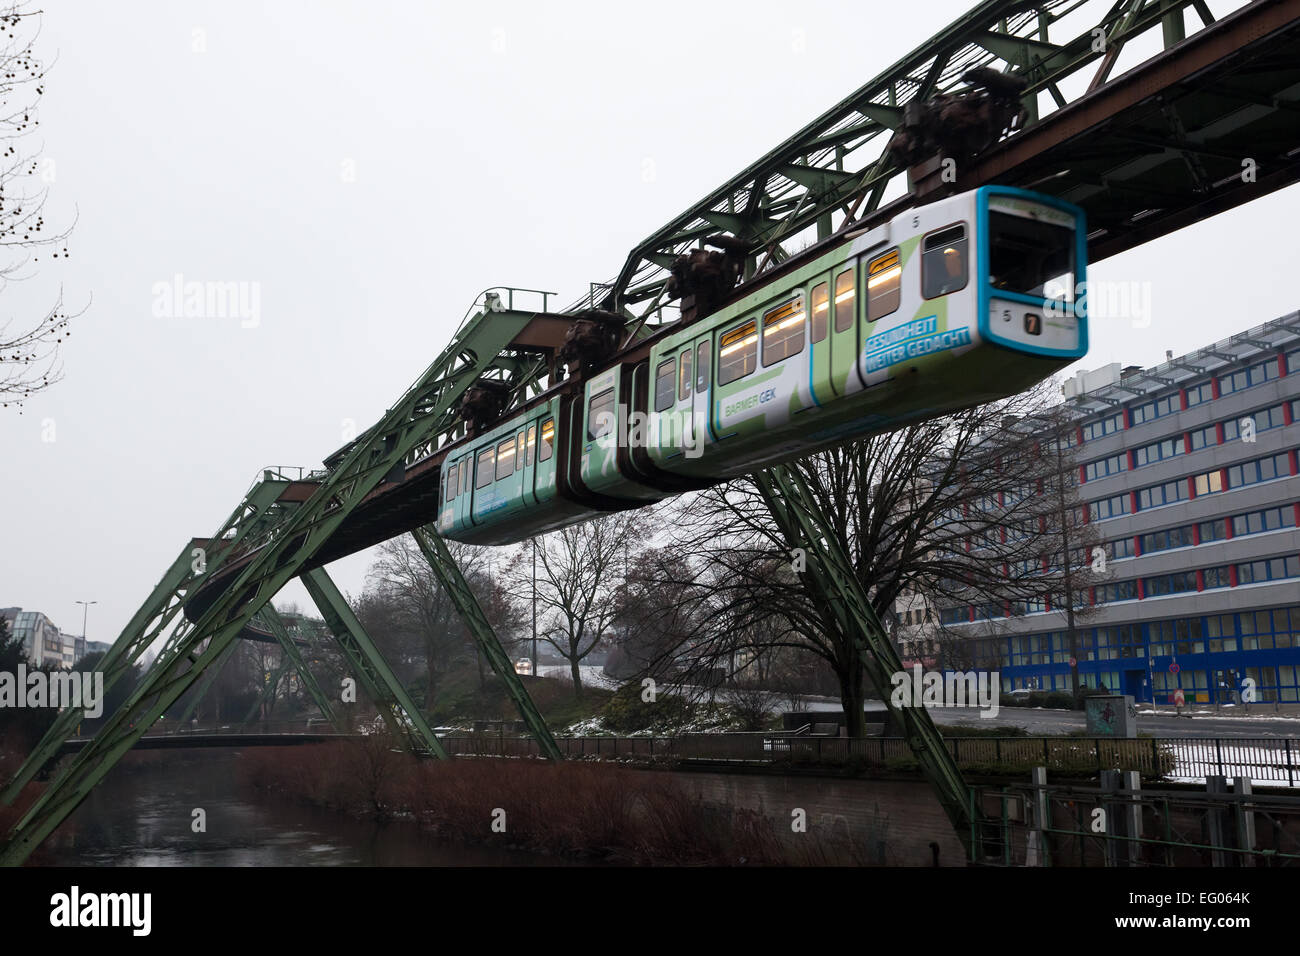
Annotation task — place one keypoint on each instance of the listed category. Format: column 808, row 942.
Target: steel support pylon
column 458, row 590
column 381, row 684
column 285, row 550
column 806, row 526
column 292, row 656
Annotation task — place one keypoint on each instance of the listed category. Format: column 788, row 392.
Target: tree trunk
column 576, row 674
column 852, row 697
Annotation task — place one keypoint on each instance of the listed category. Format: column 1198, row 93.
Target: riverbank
column 574, row 810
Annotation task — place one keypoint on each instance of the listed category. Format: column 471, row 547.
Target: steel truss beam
column 287, row 546
column 453, row 582
column 377, row 678
column 291, row 656
column 805, row 525
column 191, row 567
column 835, row 171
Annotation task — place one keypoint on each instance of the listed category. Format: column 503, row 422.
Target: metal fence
column 1269, row 761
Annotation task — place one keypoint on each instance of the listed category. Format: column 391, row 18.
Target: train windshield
column 1031, row 256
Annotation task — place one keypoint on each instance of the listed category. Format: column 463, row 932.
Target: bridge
column 1150, row 114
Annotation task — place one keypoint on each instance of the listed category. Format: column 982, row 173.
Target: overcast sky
column 371, row 167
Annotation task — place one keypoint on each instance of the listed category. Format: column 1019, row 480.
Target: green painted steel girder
column 805, row 525
column 421, row 414
column 190, row 568
column 290, row 653
column 458, row 590
column 381, row 684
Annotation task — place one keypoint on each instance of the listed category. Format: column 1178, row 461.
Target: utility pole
column 85, row 613
column 534, row 607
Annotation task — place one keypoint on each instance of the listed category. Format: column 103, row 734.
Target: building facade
column 43, row 642
column 1188, row 474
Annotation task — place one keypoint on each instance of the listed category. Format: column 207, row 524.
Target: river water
column 142, row 815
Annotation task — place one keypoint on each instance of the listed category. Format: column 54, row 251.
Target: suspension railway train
column 946, row 306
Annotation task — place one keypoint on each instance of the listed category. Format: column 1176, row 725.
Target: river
column 142, row 815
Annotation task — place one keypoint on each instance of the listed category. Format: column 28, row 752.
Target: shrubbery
column 627, row 713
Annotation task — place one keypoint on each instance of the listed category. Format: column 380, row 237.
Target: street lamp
column 85, row 612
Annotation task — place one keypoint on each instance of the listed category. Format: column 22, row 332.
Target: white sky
column 492, row 144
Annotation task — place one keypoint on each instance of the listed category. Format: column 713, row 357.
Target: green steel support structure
column 169, row 596
column 291, row 655
column 804, row 525
column 377, row 678
column 203, row 686
column 444, row 566
column 268, row 690
column 426, row 411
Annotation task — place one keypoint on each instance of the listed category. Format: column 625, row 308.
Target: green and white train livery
column 949, row 305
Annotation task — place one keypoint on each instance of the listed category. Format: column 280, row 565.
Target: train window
column 845, row 298
column 684, row 376
column 600, row 415
column 702, row 368
column 505, row 458
column 943, row 262
column 465, row 469
column 783, row 331
column 665, row 385
column 532, row 444
column 483, row 474
column 737, row 351
column 821, row 307
column 449, row 487
column 884, row 285
column 548, row 441
column 1032, row 257
column 519, row 450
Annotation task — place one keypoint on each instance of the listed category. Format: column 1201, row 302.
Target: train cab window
column 548, row 441
column 1031, row 257
column 701, row 368
column 449, row 487
column 884, row 285
column 846, row 297
column 505, row 458
column 483, row 473
column 684, row 376
column 821, row 308
column 600, row 415
column 465, row 469
column 783, row 331
column 665, row 384
column 531, row 446
column 943, row 262
column 737, row 352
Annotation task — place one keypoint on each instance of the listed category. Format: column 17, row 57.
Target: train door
column 844, row 325
column 528, row 459
column 820, row 379
column 701, row 432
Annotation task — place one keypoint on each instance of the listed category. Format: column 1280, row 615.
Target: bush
column 627, row 713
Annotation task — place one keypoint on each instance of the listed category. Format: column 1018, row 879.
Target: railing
column 1268, row 761
column 1271, row 761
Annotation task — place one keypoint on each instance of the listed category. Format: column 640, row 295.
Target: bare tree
column 422, row 621
column 580, row 573
column 951, row 508
column 28, row 348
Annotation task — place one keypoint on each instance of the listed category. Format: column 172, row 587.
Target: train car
column 949, row 305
